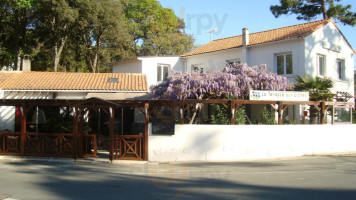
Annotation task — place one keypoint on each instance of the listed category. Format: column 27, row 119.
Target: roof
column 56, row 81
column 279, row 34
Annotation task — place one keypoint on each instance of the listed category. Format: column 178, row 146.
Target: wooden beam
column 181, row 112
column 112, row 130
column 75, row 132
column 145, row 141
column 322, row 112
column 23, row 129
column 280, row 113
column 232, row 112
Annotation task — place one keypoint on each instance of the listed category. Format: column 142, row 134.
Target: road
column 319, row 177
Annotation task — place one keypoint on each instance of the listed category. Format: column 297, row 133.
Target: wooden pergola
column 134, row 147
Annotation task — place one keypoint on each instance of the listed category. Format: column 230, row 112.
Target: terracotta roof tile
column 285, row 33
column 72, row 81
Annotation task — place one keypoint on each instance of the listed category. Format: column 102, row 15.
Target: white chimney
column 26, row 63
column 245, row 37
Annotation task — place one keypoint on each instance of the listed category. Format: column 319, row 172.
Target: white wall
column 149, row 66
column 213, row 61
column 313, row 47
column 71, row 95
column 256, row 55
column 226, row 142
column 134, row 66
column 266, row 54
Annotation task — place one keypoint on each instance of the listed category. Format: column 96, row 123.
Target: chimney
column 26, row 63
column 245, row 37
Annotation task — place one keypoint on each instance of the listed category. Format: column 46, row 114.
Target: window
column 162, row 72
column 341, row 69
column 284, row 64
column 321, row 65
column 233, row 61
column 198, row 68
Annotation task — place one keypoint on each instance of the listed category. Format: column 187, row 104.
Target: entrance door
column 129, row 139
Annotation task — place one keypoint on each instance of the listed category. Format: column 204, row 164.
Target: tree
column 84, row 35
column 155, row 30
column 102, row 25
column 17, row 25
column 310, row 9
column 58, row 18
column 319, row 90
column 167, row 43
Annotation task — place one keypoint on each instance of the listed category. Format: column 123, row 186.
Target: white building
column 315, row 48
column 156, row 68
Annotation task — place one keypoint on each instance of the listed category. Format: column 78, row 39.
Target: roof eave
column 78, row 91
column 253, row 45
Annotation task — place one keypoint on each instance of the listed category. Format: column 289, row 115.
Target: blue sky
column 230, row 16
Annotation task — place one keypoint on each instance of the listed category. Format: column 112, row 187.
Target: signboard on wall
column 266, row 95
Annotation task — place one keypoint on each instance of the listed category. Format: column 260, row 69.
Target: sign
column 332, row 47
column 266, row 95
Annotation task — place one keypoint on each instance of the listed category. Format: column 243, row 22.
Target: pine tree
column 310, row 9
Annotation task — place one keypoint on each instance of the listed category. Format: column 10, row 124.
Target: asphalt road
column 322, row 177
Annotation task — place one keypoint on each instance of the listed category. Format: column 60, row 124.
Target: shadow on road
column 84, row 181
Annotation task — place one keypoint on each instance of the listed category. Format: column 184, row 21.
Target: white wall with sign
column 240, row 142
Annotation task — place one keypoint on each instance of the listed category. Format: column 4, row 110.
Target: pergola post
column 75, row 131
column 147, row 121
column 111, row 132
column 232, row 112
column 322, row 112
column 181, row 112
column 23, row 129
column 80, row 132
column 280, row 113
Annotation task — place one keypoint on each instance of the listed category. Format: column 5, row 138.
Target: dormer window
column 233, row 62
column 113, row 80
column 198, row 68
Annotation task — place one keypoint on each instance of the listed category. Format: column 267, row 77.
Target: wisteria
column 235, row 80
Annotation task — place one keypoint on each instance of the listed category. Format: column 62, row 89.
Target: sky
column 230, row 16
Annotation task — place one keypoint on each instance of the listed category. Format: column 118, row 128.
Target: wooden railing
column 9, row 143
column 49, row 144
column 128, row 147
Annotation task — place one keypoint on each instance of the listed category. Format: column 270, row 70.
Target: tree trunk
column 18, row 59
column 58, row 53
column 323, row 9
column 313, row 115
column 197, row 108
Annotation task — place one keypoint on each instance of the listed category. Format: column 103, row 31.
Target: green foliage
column 318, row 88
column 310, row 9
column 222, row 115
column 267, row 117
column 85, row 35
column 155, row 30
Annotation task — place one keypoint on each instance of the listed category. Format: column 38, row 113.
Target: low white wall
column 225, row 142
